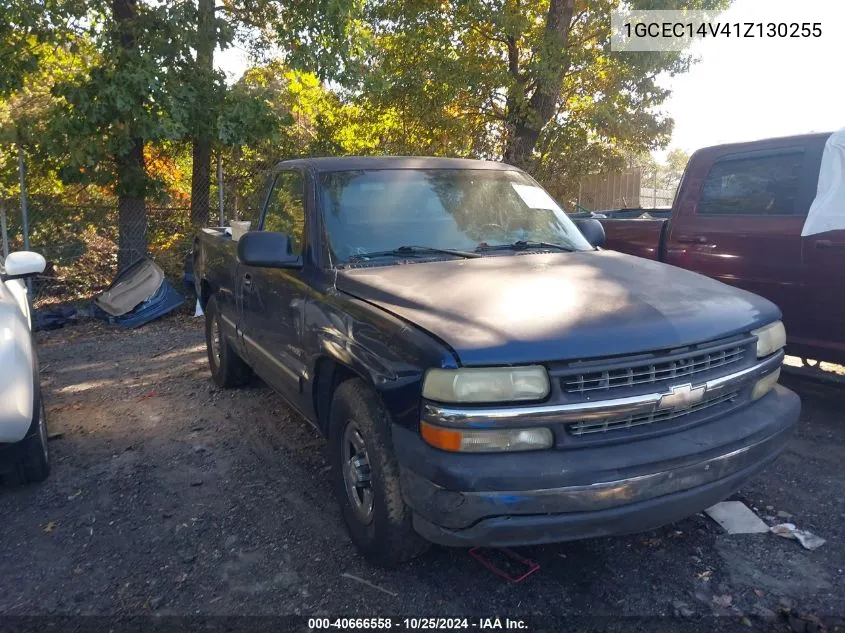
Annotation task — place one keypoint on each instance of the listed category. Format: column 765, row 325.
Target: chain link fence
column 81, row 242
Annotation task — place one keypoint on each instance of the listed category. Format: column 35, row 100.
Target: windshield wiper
column 411, row 250
column 522, row 245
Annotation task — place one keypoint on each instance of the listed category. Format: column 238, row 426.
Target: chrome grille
column 603, row 426
column 644, row 372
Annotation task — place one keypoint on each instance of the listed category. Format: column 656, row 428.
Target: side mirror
column 23, row 264
column 592, row 230
column 265, row 249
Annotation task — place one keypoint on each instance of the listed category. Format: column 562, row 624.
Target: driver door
column 274, row 298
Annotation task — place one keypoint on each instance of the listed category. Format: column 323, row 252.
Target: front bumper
column 561, row 495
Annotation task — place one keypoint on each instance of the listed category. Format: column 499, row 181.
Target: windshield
column 377, row 211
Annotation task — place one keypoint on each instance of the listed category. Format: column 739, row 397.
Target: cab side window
column 759, row 185
column 285, row 211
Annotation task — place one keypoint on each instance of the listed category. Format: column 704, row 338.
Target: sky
column 751, row 89
column 745, row 89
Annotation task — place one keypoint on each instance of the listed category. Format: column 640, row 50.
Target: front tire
column 365, row 477
column 227, row 368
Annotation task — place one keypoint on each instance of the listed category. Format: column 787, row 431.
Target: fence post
column 24, row 206
column 24, row 211
column 654, row 190
column 4, row 229
column 220, row 189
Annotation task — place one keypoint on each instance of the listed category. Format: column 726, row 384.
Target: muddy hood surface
column 557, row 306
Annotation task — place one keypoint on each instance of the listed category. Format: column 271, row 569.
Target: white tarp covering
column 827, row 212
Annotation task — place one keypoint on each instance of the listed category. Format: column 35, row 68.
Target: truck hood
column 501, row 310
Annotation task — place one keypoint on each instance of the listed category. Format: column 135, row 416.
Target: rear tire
column 33, row 463
column 365, row 477
column 227, row 368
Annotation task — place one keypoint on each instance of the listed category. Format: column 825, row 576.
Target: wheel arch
column 329, row 372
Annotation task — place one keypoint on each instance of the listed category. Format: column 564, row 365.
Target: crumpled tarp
column 827, row 213
column 52, row 318
column 132, row 300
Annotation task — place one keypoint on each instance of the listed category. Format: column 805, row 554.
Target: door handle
column 247, row 281
column 828, row 244
column 691, row 239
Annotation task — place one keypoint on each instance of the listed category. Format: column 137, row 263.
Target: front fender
column 381, row 348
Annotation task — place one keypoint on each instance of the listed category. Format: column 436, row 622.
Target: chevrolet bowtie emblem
column 682, row 397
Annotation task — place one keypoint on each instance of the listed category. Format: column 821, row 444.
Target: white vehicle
column 23, row 422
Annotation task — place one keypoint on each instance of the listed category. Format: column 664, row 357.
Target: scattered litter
column 55, row 436
column 49, row 527
column 181, row 578
column 505, row 562
column 723, row 601
column 213, row 600
column 736, row 518
column 369, row 584
column 198, row 310
column 807, row 539
column 74, row 495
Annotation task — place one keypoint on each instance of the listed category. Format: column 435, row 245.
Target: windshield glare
column 459, row 209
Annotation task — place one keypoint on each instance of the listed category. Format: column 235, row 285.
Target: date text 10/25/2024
column 423, row 623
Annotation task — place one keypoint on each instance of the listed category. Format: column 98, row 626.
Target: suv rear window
column 759, row 185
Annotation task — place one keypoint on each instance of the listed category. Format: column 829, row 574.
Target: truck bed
column 642, row 237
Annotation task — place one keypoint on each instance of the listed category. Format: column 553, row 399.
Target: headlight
column 486, row 440
column 765, row 385
column 770, row 338
column 498, row 384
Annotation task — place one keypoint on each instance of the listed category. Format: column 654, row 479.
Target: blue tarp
column 163, row 300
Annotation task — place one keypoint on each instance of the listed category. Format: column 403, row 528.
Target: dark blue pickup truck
column 484, row 373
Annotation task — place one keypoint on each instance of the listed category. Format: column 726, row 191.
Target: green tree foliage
column 530, row 81
column 106, row 95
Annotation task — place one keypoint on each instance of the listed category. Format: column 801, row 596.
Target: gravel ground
column 169, row 496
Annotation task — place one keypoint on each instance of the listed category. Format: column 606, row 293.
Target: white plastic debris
column 807, row 539
column 198, row 310
column 736, row 518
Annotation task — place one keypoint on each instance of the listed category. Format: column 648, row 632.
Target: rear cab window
column 766, row 184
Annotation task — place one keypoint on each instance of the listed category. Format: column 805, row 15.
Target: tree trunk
column 131, row 170
column 201, row 169
column 131, row 207
column 201, row 181
column 528, row 115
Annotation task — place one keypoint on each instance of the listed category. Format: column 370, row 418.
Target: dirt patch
column 170, row 496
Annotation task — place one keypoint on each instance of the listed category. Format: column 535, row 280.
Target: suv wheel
column 365, row 477
column 227, row 368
